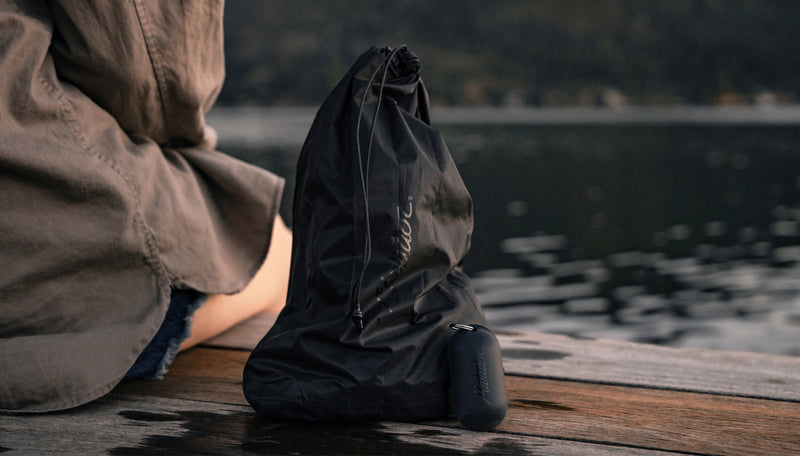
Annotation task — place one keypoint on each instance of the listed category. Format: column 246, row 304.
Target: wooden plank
column 567, row 396
column 461, row 441
column 618, row 362
column 626, row 363
column 117, row 425
column 201, row 374
column 131, row 425
column 660, row 419
column 633, row 417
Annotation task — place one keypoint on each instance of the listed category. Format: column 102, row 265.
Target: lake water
column 678, row 227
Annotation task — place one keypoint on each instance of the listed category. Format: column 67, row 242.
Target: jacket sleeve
column 156, row 66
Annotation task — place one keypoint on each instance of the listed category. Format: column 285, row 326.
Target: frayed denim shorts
column 153, row 362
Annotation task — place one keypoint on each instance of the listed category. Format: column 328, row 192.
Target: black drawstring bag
column 381, row 224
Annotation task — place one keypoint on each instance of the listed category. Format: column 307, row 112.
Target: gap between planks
column 603, row 361
column 134, row 424
column 633, row 417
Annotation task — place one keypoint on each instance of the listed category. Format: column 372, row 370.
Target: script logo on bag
column 404, row 241
column 406, row 230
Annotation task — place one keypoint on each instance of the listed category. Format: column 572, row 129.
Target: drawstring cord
column 358, row 315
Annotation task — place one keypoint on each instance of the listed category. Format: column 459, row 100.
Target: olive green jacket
column 110, row 190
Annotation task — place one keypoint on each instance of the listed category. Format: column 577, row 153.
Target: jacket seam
column 68, row 112
column 155, row 60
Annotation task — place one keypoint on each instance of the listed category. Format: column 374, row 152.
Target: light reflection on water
column 684, row 235
column 676, row 235
column 734, row 304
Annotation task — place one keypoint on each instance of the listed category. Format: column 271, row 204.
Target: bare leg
column 266, row 292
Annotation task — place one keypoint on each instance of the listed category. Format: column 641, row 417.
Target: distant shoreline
column 288, row 126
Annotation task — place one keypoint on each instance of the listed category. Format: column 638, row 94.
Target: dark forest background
column 520, row 52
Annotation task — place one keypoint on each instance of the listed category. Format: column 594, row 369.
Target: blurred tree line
column 520, row 52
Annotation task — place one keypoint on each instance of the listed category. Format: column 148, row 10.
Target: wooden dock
column 566, row 397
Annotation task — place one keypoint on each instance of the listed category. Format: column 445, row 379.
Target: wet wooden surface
column 567, row 397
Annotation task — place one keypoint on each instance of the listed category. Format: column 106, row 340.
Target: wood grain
column 618, row 362
column 200, row 374
column 567, row 397
column 632, row 417
column 659, row 419
column 626, row 363
column 139, row 425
